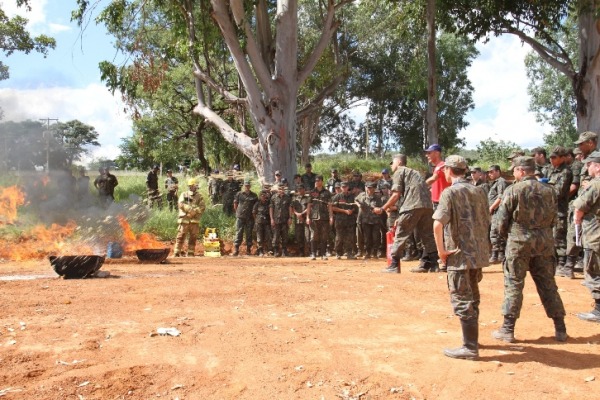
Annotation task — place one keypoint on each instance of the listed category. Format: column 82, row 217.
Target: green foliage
column 551, row 92
column 15, row 37
column 388, row 71
column 214, row 217
column 495, row 152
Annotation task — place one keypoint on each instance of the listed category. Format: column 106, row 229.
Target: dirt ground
column 277, row 328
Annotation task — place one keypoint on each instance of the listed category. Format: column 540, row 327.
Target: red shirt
column 440, row 183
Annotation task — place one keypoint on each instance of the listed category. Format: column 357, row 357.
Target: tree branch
column 221, row 16
column 329, row 28
column 560, row 60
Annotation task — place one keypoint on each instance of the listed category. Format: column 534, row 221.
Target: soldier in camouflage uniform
column 370, row 222
column 281, row 211
column 262, row 222
column 415, row 213
column 300, row 202
column 461, row 224
column 214, row 189
column 319, row 218
column 344, row 213
column 243, row 204
column 228, row 190
column 586, row 144
column 333, row 179
column 309, row 177
column 526, row 217
column 542, row 166
column 587, row 214
column 560, row 177
column 191, row 206
column 497, row 186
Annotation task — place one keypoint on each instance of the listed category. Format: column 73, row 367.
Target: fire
column 10, row 199
column 42, row 241
column 133, row 242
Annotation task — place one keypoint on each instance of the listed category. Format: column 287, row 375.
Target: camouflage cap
column 558, row 151
column 594, row 156
column 585, row 136
column 455, row 161
column 524, row 161
column 345, row 183
column 370, row 184
column 516, row 153
column 337, row 184
column 475, row 169
column 300, row 186
column 494, row 167
column 247, row 182
column 577, row 150
column 386, row 185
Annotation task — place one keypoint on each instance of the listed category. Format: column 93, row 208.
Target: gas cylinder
column 389, row 240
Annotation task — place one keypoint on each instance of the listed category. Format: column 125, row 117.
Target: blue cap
column 385, row 171
column 434, row 147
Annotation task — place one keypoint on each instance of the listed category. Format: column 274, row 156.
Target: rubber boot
column 394, row 267
column 501, row 256
column 470, row 349
column 507, row 330
column 560, row 330
column 592, row 316
column 313, row 255
column 494, row 257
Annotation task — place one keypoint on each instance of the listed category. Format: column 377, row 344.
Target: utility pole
column 47, row 135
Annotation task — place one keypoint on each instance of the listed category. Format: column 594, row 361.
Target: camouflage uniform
column 262, row 224
column 228, row 190
column 415, row 213
column 154, row 195
column 244, row 204
column 543, row 170
column 464, row 212
column 560, row 178
column 280, row 221
column 589, row 202
column 214, row 189
column 301, row 230
column 526, row 216
column 319, row 221
column 172, row 186
column 191, row 206
column 496, row 190
column 106, row 183
column 345, row 225
column 370, row 222
column 308, row 180
column 573, row 250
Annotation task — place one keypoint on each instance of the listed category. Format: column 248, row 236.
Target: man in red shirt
column 437, row 182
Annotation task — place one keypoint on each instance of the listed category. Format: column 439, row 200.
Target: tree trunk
column 587, row 85
column 432, row 133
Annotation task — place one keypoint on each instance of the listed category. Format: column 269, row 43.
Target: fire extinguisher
column 389, row 240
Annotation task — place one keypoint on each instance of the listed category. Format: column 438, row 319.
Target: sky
column 66, row 85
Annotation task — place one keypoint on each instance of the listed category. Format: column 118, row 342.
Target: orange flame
column 10, row 199
column 40, row 242
column 141, row 241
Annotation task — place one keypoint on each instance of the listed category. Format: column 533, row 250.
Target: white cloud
column 501, row 100
column 35, row 17
column 92, row 105
column 57, row 28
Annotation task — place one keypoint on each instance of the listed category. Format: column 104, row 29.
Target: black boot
column 249, row 250
column 592, row 316
column 236, row 251
column 494, row 257
column 394, row 267
column 562, row 269
column 501, row 256
column 506, row 331
column 560, row 330
column 470, row 348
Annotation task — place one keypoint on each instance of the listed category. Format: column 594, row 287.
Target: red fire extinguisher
column 389, row 240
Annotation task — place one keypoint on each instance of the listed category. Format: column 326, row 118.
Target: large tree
column 15, row 37
column 537, row 23
column 262, row 40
